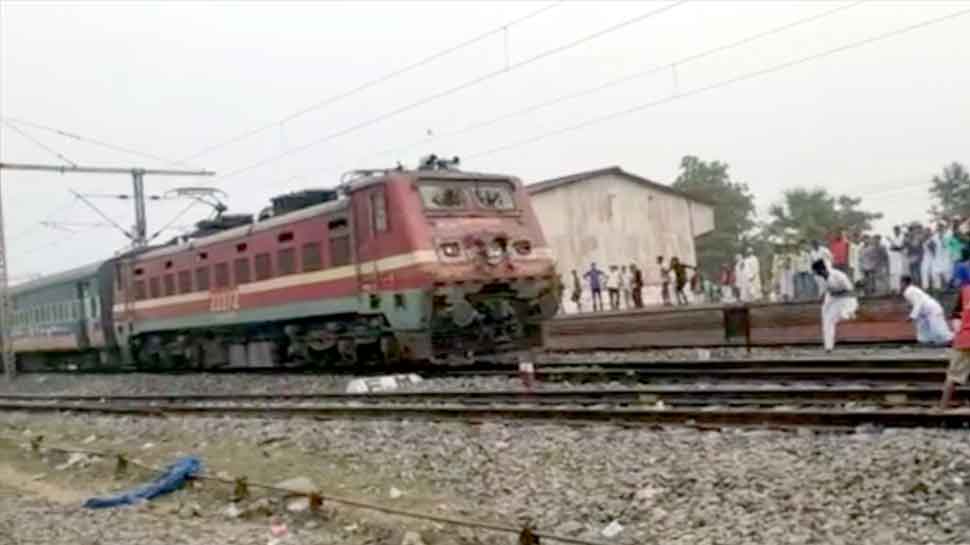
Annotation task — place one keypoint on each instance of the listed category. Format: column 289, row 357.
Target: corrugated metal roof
column 552, row 183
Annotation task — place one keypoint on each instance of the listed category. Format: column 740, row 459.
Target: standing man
column 614, row 281
column 914, row 253
column 804, row 283
column 664, row 281
column 742, row 286
column 839, row 248
column 577, row 295
column 636, row 286
column 784, row 273
column 595, row 279
column 896, row 257
column 927, row 314
column 882, row 265
column 626, row 288
column 752, row 267
column 943, row 265
column 838, row 302
column 855, row 258
column 680, row 278
column 954, row 246
column 727, row 283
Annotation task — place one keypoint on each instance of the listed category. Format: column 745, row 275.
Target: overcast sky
column 173, row 79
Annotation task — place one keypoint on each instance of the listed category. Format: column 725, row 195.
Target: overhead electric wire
column 370, row 83
column 88, row 140
column 39, row 144
column 622, row 80
column 452, row 90
column 175, row 218
column 723, row 83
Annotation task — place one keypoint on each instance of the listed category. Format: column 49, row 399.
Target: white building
column 612, row 217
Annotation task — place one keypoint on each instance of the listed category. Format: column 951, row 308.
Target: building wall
column 612, row 220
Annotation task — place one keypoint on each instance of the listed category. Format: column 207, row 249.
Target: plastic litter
column 173, row 478
column 613, row 529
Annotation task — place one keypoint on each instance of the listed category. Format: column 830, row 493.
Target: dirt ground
column 32, row 481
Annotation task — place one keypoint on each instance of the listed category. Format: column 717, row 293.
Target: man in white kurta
column 741, row 279
column 927, row 314
column 838, row 303
column 896, row 259
column 752, row 268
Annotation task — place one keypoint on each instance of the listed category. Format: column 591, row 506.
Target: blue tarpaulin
column 170, row 480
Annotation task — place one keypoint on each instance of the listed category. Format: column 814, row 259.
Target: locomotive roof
column 76, row 273
column 229, row 234
column 317, row 209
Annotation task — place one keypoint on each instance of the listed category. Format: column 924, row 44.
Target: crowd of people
column 875, row 265
column 629, row 286
column 930, row 256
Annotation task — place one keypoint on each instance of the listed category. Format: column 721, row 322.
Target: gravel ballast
column 671, row 486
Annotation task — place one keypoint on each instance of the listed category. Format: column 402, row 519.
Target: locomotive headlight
column 451, row 249
column 523, row 247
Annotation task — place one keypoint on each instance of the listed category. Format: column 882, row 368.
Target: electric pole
column 139, row 236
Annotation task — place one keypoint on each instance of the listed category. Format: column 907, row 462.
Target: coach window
column 139, row 290
column 311, row 257
column 378, row 212
column 241, row 270
column 202, row 279
column 185, row 281
column 168, row 283
column 263, row 267
column 222, row 275
column 153, row 287
column 286, row 261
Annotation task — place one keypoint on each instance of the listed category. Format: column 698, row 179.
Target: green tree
column 951, row 192
column 815, row 214
column 734, row 212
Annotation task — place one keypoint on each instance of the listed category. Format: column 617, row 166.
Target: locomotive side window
column 185, row 281
column 222, row 275
column 378, row 211
column 286, row 261
column 264, row 268
column 139, row 290
column 441, row 196
column 202, row 279
column 153, row 287
column 241, row 270
column 495, row 196
column 311, row 257
column 168, row 282
column 339, row 242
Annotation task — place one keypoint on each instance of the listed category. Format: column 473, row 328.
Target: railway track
column 766, row 396
column 910, row 370
column 815, row 407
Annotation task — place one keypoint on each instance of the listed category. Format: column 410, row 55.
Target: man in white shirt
column 896, row 258
column 614, row 279
column 838, row 302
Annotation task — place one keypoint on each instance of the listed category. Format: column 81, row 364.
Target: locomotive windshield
column 458, row 195
column 494, row 196
column 442, row 196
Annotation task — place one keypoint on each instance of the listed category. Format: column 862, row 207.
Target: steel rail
column 896, row 395
column 706, row 416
